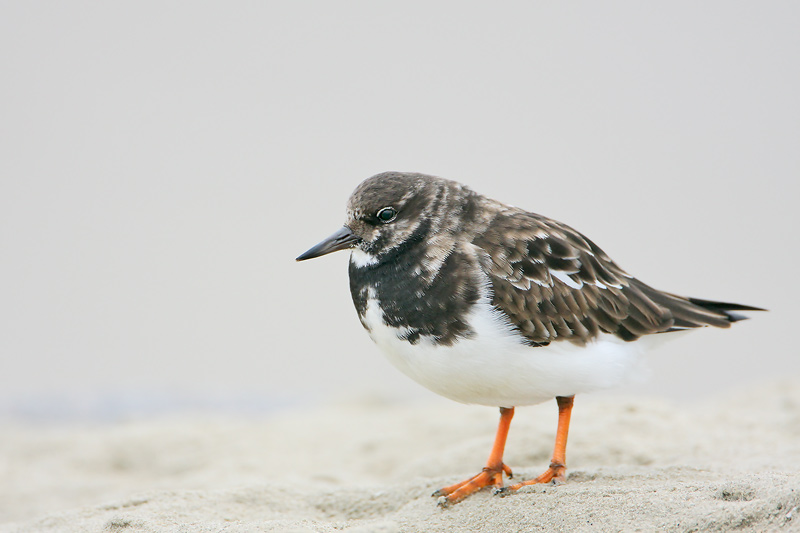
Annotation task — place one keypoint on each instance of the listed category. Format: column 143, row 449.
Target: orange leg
column 558, row 465
column 492, row 474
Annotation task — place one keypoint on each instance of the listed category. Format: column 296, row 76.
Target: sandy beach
column 636, row 464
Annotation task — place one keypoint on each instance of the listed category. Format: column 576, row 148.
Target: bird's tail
column 695, row 312
column 725, row 308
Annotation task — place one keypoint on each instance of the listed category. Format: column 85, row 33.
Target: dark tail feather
column 726, row 308
column 690, row 313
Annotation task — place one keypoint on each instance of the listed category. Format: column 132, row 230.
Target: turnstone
column 485, row 303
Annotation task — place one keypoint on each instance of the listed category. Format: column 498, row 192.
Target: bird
column 485, row 303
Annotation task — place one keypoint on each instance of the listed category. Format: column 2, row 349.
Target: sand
column 636, row 464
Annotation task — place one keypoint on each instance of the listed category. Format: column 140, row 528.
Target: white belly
column 494, row 367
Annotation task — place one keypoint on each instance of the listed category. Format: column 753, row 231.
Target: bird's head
column 393, row 209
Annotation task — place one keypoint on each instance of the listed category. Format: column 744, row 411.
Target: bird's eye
column 387, row 214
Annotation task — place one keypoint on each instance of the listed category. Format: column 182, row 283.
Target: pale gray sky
column 162, row 164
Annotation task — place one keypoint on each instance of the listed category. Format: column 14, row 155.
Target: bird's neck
column 417, row 294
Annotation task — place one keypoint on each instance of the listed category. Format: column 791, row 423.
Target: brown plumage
column 556, row 284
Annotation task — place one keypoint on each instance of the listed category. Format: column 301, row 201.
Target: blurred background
column 163, row 163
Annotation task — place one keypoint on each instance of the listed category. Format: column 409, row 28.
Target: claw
column 554, row 475
column 488, row 477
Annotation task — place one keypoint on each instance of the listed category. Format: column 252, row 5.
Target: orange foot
column 489, row 477
column 554, row 474
column 492, row 474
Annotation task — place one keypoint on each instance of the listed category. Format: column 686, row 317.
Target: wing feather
column 555, row 284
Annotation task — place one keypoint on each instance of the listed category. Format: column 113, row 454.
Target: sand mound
column 635, row 464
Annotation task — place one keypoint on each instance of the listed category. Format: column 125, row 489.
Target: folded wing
column 556, row 284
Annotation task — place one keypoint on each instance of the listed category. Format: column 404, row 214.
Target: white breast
column 495, row 367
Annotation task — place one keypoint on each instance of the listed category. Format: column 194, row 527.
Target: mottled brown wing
column 555, row 284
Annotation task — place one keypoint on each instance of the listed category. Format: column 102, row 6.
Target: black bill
column 341, row 240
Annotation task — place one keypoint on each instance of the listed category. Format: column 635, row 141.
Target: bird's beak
column 341, row 240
